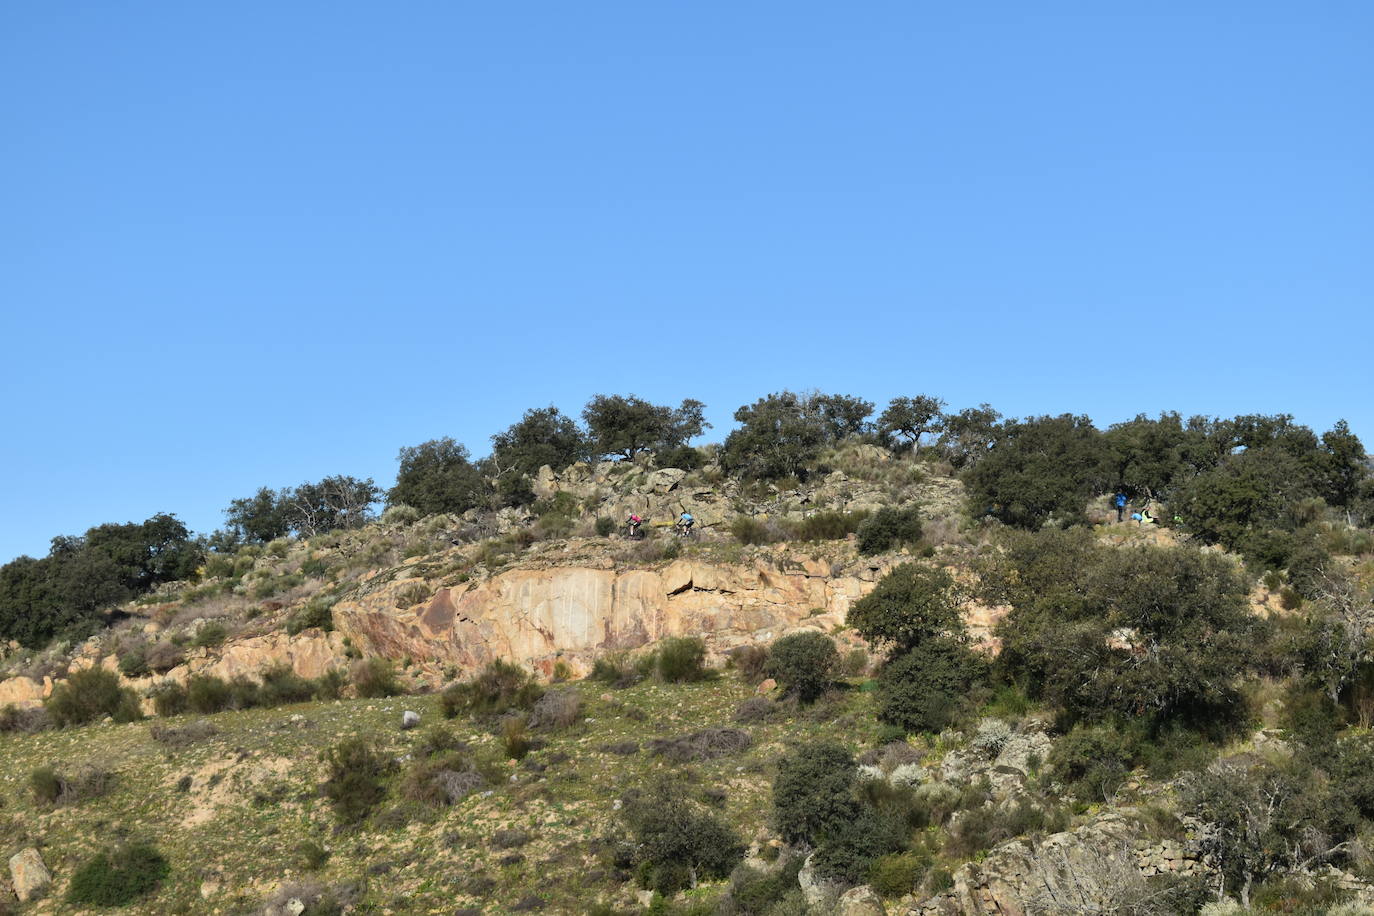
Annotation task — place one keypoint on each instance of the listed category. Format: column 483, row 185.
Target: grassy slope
column 264, row 800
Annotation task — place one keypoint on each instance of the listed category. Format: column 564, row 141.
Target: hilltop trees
column 305, row 510
column 782, row 434
column 65, row 591
column 626, row 426
column 1038, row 468
column 911, row 418
column 436, row 476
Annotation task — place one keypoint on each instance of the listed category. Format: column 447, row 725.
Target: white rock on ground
column 29, row 875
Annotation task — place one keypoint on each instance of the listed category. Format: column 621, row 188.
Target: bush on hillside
column 681, row 659
column 374, row 678
column 928, row 688
column 355, row 778
column 498, row 688
column 281, row 684
column 556, row 709
column 888, row 528
column 119, row 876
column 911, row 604
column 92, row 694
column 829, row 526
column 318, row 612
column 54, row 788
column 803, row 664
column 1091, row 761
column 749, row 531
column 678, row 843
column 813, row 793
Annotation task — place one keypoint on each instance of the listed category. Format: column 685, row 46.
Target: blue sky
column 257, row 243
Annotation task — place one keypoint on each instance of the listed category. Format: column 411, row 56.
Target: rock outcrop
column 1087, row 870
column 24, row 691
column 28, row 875
column 575, row 613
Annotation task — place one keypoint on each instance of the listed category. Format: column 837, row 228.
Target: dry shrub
column 54, row 788
column 442, row 780
column 374, row 678
column 749, row 661
column 755, row 709
column 175, row 736
column 706, row 744
column 163, row 657
column 556, row 709
column 24, row 719
column 515, row 737
column 509, row 839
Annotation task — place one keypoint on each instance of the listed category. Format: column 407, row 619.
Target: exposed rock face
column 575, row 613
column 28, row 875
column 24, row 691
column 1086, row 870
column 310, row 654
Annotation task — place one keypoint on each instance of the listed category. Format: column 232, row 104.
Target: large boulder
column 29, row 876
column 860, row 901
column 1092, row 869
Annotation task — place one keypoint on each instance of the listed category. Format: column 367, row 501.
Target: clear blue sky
column 255, row 243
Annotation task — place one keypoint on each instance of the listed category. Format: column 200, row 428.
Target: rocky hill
column 348, row 763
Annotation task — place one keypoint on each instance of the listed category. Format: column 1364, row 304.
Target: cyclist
column 684, row 524
column 633, row 523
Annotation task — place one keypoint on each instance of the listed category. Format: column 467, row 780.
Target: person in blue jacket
column 1120, row 502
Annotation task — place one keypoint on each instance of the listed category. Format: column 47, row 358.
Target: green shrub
column 46, row 785
column 134, row 662
column 92, row 694
column 119, row 876
column 683, row 457
column 355, row 780
column 206, row 694
column 829, row 526
column 1091, row 761
column 210, row 634
column 896, row 874
column 850, row 847
column 614, row 669
column 330, row 685
column 499, row 687
column 169, row 698
column 311, row 856
column 281, row 684
column 888, row 528
column 911, row 604
column 605, row 525
column 374, row 678
column 515, row 740
column 803, row 664
column 928, row 688
column 314, row 567
column 813, row 791
column 677, row 842
column 681, row 659
column 318, row 612
column 749, row 531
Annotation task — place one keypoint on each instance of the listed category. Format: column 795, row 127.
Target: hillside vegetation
column 907, row 665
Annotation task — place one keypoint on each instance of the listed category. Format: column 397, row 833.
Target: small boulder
column 29, row 875
column 814, row 888
column 860, row 901
column 767, row 685
column 409, row 719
